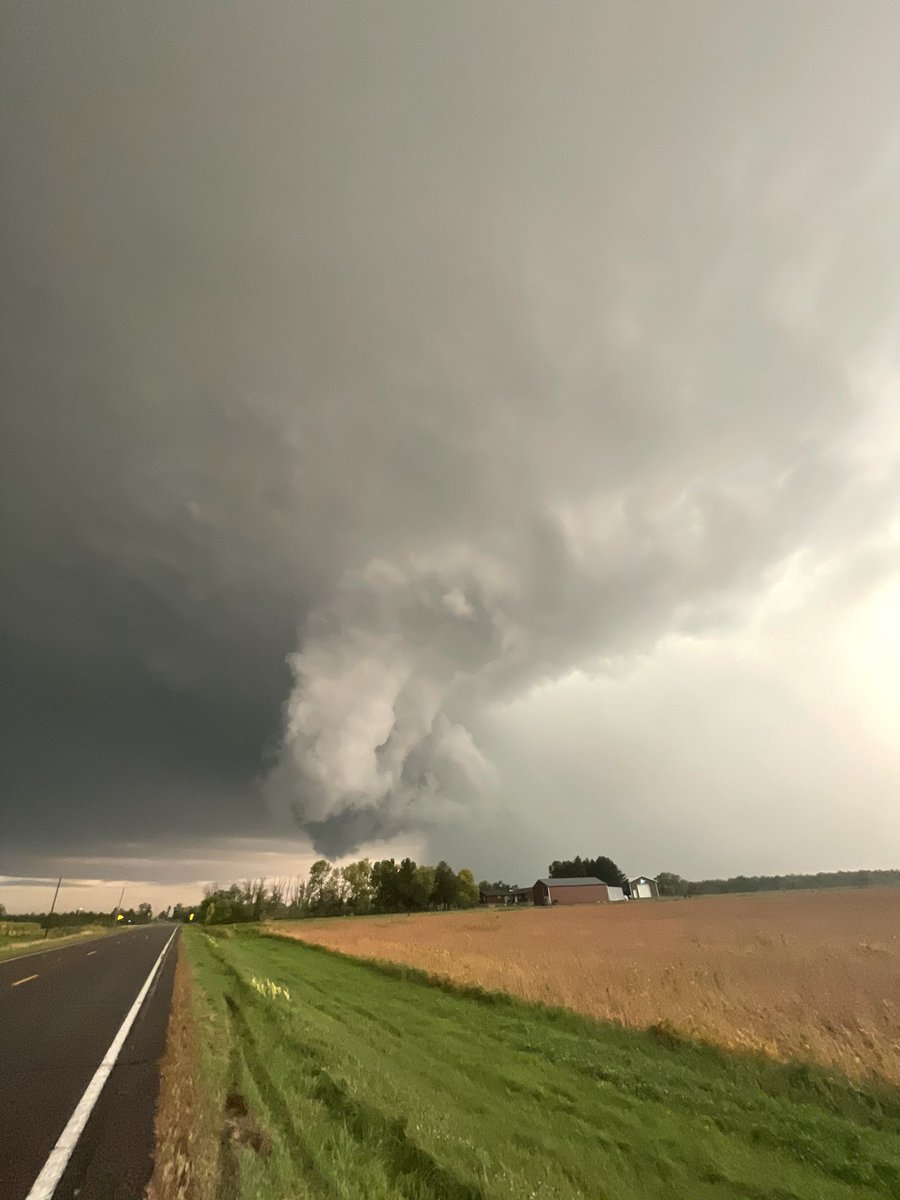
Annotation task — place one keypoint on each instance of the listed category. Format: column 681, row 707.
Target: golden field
column 806, row 975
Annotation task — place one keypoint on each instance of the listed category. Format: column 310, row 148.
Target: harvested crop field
column 808, row 975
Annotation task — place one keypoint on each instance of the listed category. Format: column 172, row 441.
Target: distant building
column 513, row 896
column 643, row 888
column 584, row 890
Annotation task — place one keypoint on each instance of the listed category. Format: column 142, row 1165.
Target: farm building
column 584, row 890
column 513, row 896
column 643, row 888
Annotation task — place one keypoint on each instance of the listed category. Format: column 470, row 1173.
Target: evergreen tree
column 385, row 891
column 406, row 876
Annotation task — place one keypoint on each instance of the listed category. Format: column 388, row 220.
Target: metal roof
column 580, row 882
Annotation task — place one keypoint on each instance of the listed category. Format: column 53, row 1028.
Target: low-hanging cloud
column 370, row 747
column 396, row 670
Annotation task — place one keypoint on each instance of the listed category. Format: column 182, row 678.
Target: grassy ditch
column 330, row 1077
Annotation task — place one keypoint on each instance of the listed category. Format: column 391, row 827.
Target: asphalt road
column 59, row 1013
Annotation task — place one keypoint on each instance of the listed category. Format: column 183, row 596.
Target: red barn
column 584, row 890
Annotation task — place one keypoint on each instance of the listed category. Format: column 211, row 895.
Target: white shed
column 643, row 888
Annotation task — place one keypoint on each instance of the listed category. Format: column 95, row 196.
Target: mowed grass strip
column 338, row 1078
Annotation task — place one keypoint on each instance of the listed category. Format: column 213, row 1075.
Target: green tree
column 256, row 906
column 316, row 884
column 385, row 889
column 670, row 884
column 466, row 889
column 405, row 878
column 605, row 869
column 358, row 878
column 601, row 868
column 423, row 886
column 330, row 893
column 446, row 886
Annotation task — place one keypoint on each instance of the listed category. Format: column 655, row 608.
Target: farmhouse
column 643, row 888
column 513, row 896
column 584, row 890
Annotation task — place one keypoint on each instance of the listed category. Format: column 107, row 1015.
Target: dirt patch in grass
column 242, row 1127
column 185, row 1165
column 813, row 976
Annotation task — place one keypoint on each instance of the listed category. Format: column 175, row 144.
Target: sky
column 467, row 431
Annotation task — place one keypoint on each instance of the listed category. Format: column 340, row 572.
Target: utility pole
column 52, row 906
column 117, row 911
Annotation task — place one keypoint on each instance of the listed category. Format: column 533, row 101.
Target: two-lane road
column 60, row 1011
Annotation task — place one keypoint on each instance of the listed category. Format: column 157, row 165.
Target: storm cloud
column 391, row 390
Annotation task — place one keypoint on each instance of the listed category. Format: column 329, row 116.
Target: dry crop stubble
column 807, row 975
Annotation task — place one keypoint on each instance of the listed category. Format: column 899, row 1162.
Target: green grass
column 12, row 945
column 367, row 1083
column 10, row 930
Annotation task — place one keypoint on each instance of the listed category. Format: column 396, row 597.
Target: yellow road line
column 25, row 980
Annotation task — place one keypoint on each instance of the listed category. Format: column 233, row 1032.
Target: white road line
column 27, row 979
column 45, row 1184
column 89, row 953
column 51, row 949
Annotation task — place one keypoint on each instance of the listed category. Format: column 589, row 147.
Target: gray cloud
column 367, row 368
column 28, row 883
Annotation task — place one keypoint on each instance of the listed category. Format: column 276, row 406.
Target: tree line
column 141, row 915
column 601, row 868
column 330, row 891
column 670, row 884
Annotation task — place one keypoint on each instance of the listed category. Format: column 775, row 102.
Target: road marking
column 67, row 944
column 27, row 979
column 45, row 1184
column 90, row 952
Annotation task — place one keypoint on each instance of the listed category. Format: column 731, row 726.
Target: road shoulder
column 187, row 1139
